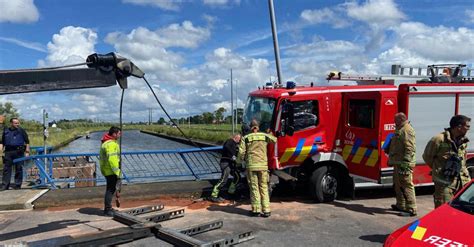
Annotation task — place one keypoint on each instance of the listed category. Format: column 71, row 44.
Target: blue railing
column 82, row 169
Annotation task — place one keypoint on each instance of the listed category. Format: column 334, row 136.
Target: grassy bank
column 58, row 137
column 205, row 132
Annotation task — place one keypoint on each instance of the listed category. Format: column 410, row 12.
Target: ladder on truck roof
column 436, row 73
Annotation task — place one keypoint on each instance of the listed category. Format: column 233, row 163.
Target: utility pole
column 275, row 40
column 236, row 104
column 232, row 102
column 150, row 116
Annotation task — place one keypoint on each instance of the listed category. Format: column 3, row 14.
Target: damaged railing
column 83, row 169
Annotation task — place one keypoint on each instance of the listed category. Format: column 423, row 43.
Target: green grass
column 205, row 132
column 58, row 137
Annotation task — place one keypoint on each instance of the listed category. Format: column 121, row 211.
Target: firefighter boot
column 232, row 188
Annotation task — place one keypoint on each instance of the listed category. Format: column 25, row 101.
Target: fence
column 81, row 169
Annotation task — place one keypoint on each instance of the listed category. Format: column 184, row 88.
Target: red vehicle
column 452, row 224
column 328, row 136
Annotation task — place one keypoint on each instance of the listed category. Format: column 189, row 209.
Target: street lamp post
column 232, row 102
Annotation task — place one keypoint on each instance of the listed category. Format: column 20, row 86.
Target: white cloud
column 470, row 15
column 210, row 19
column 185, row 35
column 324, row 48
column 440, row 44
column 220, row 3
column 150, row 50
column 71, row 45
column 326, row 15
column 379, row 15
column 217, row 84
column 30, row 45
column 173, row 5
column 376, row 12
column 18, row 11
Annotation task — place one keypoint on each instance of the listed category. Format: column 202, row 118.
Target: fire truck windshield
column 260, row 109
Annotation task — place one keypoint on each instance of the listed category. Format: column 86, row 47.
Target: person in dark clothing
column 228, row 166
column 16, row 144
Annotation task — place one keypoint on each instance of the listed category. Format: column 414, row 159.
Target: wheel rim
column 329, row 184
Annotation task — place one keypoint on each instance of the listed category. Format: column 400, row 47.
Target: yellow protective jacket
column 110, row 158
column 253, row 150
column 438, row 151
column 402, row 147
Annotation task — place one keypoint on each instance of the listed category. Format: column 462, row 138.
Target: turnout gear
column 402, row 157
column 253, row 151
column 447, row 159
column 228, row 167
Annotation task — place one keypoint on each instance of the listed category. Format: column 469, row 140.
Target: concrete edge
column 16, row 210
column 29, row 203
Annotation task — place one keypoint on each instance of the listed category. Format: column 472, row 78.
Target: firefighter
column 109, row 165
column 445, row 154
column 228, row 166
column 401, row 152
column 253, row 151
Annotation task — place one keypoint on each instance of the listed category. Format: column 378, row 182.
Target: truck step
column 285, row 176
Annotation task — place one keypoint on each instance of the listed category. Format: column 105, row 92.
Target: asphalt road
column 295, row 221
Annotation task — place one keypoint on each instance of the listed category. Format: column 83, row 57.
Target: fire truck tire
column 324, row 182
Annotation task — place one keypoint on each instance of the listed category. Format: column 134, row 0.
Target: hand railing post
column 188, row 165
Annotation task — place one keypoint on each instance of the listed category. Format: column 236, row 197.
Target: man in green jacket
column 402, row 157
column 110, row 165
column 446, row 154
column 253, row 150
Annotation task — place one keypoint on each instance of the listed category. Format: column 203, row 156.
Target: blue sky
column 187, row 48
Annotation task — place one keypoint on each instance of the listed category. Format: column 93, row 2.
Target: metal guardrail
column 82, row 169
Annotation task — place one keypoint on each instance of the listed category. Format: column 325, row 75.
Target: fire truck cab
column 328, row 137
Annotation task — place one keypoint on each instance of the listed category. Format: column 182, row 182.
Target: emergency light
column 290, row 84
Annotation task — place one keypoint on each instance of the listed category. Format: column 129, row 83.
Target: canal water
column 132, row 140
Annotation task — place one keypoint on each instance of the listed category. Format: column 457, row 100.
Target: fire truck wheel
column 324, row 184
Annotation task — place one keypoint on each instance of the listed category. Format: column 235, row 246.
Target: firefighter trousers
column 223, row 180
column 259, row 194
column 404, row 190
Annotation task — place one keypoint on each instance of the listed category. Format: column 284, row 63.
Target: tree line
column 216, row 117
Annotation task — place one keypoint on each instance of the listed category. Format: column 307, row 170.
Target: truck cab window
column 306, row 114
column 260, row 109
column 361, row 113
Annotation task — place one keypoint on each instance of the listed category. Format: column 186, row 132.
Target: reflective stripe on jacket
column 253, row 150
column 110, row 158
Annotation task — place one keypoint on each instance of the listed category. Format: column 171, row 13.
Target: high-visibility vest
column 110, row 158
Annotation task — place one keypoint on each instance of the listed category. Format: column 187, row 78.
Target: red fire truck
column 330, row 136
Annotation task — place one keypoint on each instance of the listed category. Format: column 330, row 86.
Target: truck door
column 360, row 134
column 308, row 134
